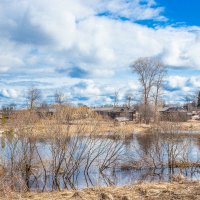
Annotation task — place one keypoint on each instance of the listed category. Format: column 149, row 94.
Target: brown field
column 101, row 127
column 191, row 125
column 68, row 122
column 141, row 191
column 47, row 128
column 79, row 121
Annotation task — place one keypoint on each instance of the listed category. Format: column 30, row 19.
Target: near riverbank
column 142, row 191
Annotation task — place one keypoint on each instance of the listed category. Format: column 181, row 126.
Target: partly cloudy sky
column 84, row 47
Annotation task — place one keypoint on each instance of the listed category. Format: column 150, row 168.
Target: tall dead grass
column 67, row 121
column 141, row 191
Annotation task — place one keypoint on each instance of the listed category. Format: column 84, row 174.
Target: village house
column 119, row 113
column 175, row 114
column 46, row 111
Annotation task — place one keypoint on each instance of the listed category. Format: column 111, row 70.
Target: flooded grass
column 85, row 161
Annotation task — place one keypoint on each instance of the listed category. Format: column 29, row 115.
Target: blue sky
column 186, row 12
column 85, row 48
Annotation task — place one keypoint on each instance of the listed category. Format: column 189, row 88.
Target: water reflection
column 79, row 162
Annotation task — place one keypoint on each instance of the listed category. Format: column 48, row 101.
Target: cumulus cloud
column 9, row 93
column 133, row 10
column 177, row 87
column 176, row 82
column 65, row 32
column 85, row 88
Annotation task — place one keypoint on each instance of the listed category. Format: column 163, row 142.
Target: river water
column 81, row 162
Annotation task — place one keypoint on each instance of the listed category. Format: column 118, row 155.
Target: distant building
column 45, row 111
column 175, row 114
column 119, row 113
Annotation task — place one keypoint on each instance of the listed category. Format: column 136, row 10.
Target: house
column 46, row 111
column 174, row 113
column 119, row 113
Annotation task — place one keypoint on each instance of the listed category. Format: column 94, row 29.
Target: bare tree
column 59, row 97
column 33, row 97
column 190, row 103
column 158, row 84
column 198, row 99
column 150, row 72
column 128, row 97
column 116, row 98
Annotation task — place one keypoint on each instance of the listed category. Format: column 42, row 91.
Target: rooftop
column 115, row 109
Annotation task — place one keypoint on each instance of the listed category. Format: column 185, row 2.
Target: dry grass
column 143, row 191
column 70, row 121
column 191, row 125
column 96, row 126
column 93, row 127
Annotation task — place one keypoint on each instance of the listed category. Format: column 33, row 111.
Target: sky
column 84, row 48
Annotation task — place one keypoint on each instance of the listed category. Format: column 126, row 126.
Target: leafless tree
column 33, row 97
column 150, row 72
column 190, row 101
column 59, row 97
column 158, row 84
column 116, row 98
column 128, row 99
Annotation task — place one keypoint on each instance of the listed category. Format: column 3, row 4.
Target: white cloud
column 135, row 10
column 177, row 81
column 86, row 88
column 179, row 87
column 11, row 93
column 65, row 32
column 195, row 81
